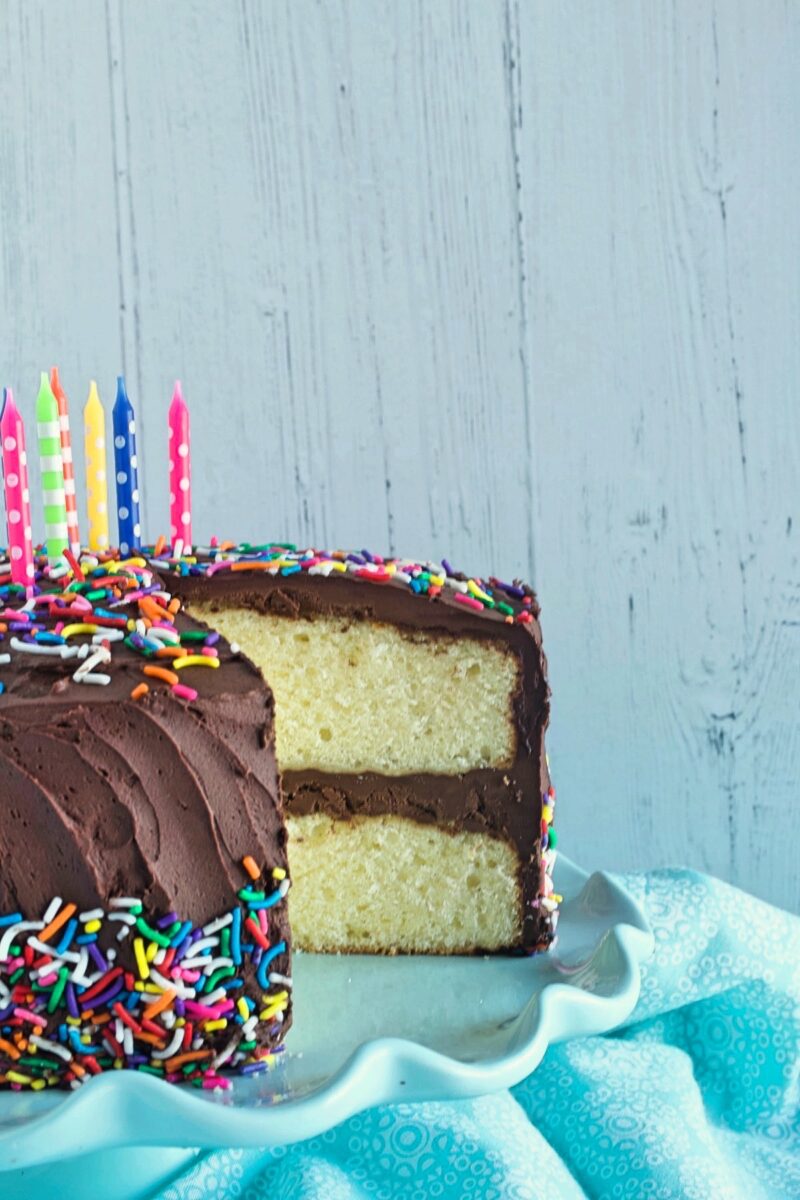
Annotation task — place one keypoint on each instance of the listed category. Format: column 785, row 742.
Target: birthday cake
column 185, row 734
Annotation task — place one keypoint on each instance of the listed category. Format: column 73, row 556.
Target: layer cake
column 144, row 886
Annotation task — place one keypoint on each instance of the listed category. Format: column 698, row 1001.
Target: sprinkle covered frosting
column 510, row 602
column 123, row 983
column 69, row 1008
column 79, row 610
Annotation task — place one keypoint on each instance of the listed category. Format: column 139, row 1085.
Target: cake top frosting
column 108, row 622
column 490, row 596
column 117, row 623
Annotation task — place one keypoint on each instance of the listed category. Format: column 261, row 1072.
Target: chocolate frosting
column 171, row 798
column 157, row 798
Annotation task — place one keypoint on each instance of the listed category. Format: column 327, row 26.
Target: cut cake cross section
column 411, row 706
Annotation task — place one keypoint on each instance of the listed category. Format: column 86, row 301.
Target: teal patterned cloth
column 698, row 1095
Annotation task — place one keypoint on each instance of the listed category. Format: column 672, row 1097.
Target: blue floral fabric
column 697, row 1095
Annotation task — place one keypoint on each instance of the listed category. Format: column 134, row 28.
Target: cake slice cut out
column 411, row 706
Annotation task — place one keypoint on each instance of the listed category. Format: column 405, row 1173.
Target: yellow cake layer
column 384, row 884
column 362, row 696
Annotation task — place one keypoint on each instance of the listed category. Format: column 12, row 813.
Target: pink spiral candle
column 180, row 471
column 18, row 504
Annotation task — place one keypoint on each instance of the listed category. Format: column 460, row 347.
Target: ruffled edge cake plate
column 366, row 1031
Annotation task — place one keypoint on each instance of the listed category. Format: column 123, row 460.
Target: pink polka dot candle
column 180, row 473
column 18, row 504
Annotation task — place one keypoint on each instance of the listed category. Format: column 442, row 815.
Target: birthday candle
column 18, row 503
column 71, row 500
column 55, row 511
column 126, row 470
column 94, row 432
column 180, row 471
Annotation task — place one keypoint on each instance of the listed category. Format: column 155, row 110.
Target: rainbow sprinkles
column 69, row 1009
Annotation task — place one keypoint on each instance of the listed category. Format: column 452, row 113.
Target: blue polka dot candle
column 126, row 471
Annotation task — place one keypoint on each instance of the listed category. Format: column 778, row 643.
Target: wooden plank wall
column 506, row 280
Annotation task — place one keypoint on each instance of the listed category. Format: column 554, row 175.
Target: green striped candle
column 55, row 508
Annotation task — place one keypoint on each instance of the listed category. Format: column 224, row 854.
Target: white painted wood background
column 516, row 282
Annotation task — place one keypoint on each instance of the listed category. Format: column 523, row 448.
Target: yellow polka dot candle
column 94, row 431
